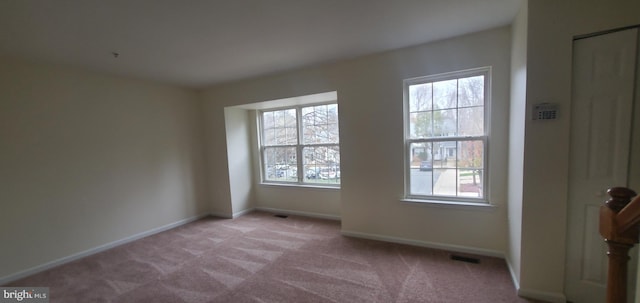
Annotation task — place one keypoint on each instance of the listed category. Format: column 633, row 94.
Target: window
column 301, row 145
column 446, row 136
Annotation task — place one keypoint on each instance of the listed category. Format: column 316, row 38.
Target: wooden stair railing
column 619, row 225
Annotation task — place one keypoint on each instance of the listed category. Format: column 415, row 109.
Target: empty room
column 319, row 151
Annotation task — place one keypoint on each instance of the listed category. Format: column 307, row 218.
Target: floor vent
column 281, row 216
column 465, row 259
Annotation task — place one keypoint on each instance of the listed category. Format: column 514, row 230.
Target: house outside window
column 446, row 136
column 300, row 145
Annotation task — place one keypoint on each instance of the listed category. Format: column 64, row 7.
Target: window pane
column 421, row 155
column 322, row 164
column 279, row 118
column 471, row 154
column 290, row 118
column 285, row 136
column 268, row 120
column 471, row 121
column 334, row 126
column 471, row 91
column 445, row 94
column 279, row 127
column 332, row 111
column 448, row 116
column 470, row 183
column 445, row 182
column 280, row 164
column 444, row 123
column 291, row 130
column 291, row 134
column 268, row 128
column 421, row 169
column 447, row 168
column 444, row 154
column 420, row 125
column 281, row 136
column 269, row 136
column 420, row 96
column 320, row 124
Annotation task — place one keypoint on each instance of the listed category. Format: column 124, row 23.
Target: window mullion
column 299, row 152
column 445, row 139
column 457, row 110
column 263, row 169
column 320, row 145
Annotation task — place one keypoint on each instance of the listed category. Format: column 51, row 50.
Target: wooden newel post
column 619, row 239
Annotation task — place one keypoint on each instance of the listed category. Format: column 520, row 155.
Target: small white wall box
column 545, row 111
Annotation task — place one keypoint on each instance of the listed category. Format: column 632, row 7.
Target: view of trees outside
column 280, row 135
column 444, row 118
column 320, row 124
column 280, row 127
column 321, row 159
column 319, row 145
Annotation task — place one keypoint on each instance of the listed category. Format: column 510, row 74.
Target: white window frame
column 299, row 146
column 445, row 199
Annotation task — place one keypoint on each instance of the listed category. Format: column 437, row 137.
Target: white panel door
column 604, row 70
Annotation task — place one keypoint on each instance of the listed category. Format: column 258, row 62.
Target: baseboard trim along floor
column 95, row 250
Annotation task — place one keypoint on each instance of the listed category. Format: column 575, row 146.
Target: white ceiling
column 198, row 43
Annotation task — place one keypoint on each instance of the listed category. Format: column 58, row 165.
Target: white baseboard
column 442, row 246
column 552, row 297
column 528, row 293
column 95, row 250
column 221, row 215
column 514, row 278
column 298, row 213
column 534, row 294
column 242, row 213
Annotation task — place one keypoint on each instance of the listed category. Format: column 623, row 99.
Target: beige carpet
column 262, row 258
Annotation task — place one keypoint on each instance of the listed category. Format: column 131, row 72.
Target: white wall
column 373, row 155
column 217, row 182
column 517, row 119
column 88, row 159
column 239, row 155
column 552, row 25
column 371, row 129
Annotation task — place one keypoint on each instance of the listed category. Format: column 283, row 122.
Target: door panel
column 593, row 272
column 601, row 116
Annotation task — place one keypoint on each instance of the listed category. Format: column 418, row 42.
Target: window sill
column 301, row 185
column 481, row 206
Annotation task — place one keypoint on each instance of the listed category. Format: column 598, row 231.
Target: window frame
column 485, row 138
column 299, row 147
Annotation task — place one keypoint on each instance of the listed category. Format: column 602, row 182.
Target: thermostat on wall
column 545, row 111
